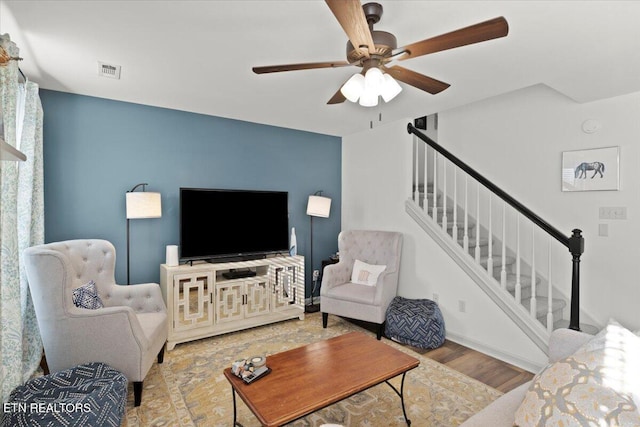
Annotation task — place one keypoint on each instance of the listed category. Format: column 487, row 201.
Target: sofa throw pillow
column 597, row 385
column 366, row 274
column 86, row 296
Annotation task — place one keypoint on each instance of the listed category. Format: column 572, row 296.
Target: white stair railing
column 516, row 252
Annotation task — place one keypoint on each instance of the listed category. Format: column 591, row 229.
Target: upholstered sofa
column 576, row 359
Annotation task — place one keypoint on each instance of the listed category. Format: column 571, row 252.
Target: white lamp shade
column 390, row 88
column 353, row 87
column 143, row 205
column 319, row 206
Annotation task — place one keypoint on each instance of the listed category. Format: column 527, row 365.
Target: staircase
column 518, row 259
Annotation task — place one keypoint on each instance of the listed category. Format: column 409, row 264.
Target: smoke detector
column 109, row 70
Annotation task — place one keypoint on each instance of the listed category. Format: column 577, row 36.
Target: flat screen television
column 219, row 224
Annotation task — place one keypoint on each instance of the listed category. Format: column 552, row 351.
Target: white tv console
column 204, row 299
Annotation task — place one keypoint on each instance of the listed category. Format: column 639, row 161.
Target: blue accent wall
column 95, row 150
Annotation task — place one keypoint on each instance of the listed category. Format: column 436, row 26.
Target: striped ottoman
column 93, row 394
column 416, row 322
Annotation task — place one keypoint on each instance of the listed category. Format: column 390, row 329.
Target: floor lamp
column 316, row 206
column 141, row 205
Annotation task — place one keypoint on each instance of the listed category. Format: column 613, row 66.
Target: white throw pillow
column 366, row 274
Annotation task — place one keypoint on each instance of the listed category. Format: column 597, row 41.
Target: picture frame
column 596, row 169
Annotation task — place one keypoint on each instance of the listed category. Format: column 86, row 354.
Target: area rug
column 189, row 389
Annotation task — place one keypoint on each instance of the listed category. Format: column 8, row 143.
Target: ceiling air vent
column 108, row 70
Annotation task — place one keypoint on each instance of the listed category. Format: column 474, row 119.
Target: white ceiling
column 197, row 55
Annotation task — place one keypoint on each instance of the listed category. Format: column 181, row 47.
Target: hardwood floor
column 486, row 369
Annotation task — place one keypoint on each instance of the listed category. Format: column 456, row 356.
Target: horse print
column 582, row 168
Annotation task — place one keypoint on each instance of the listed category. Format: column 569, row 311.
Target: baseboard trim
column 518, row 361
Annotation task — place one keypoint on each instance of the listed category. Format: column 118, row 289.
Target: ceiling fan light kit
column 369, row 88
column 373, row 50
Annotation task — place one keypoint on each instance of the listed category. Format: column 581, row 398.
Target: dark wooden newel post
column 576, row 247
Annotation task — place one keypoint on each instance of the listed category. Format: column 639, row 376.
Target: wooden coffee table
column 309, row 378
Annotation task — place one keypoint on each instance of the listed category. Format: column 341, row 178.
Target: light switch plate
column 613, row 212
column 603, row 230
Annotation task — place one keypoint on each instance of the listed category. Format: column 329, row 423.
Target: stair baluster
column 465, row 242
column 518, row 295
column 490, row 237
column 434, row 210
column 503, row 268
column 533, row 302
column 477, row 249
column 454, row 230
column 444, row 195
column 425, row 201
column 416, row 183
column 549, row 291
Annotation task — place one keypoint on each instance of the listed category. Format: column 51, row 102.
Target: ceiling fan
column 375, row 50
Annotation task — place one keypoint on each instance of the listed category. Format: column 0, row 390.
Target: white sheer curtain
column 21, row 223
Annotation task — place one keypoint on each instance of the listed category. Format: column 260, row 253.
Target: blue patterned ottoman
column 416, row 322
column 93, row 394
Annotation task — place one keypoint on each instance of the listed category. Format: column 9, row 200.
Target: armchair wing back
column 341, row 297
column 127, row 333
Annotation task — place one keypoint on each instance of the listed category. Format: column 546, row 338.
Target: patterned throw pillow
column 598, row 385
column 86, row 296
column 366, row 274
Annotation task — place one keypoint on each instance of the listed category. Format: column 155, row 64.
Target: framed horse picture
column 596, row 169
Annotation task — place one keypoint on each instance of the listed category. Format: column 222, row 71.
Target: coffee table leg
column 401, row 394
column 235, row 423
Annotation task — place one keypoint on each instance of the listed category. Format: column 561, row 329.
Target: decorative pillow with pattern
column 86, row 296
column 366, row 274
column 596, row 386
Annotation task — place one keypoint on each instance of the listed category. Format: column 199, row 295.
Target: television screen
column 216, row 223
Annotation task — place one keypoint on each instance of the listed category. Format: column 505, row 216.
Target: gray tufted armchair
column 341, row 297
column 127, row 333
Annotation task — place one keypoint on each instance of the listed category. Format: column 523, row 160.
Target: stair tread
column 541, row 305
column 525, row 281
column 497, row 260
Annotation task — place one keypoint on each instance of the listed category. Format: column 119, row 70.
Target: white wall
column 524, row 133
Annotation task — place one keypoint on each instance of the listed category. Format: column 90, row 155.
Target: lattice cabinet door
column 285, row 287
column 257, row 297
column 230, row 299
column 192, row 296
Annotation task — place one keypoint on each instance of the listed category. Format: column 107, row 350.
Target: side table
column 312, row 308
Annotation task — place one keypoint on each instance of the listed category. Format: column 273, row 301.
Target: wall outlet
column 436, row 297
column 462, row 306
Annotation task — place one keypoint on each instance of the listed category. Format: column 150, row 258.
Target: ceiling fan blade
column 337, row 98
column 418, row 80
column 487, row 30
column 351, row 17
column 293, row 67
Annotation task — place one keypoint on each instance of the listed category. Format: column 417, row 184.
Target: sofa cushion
column 353, row 292
column 597, row 385
column 86, row 296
